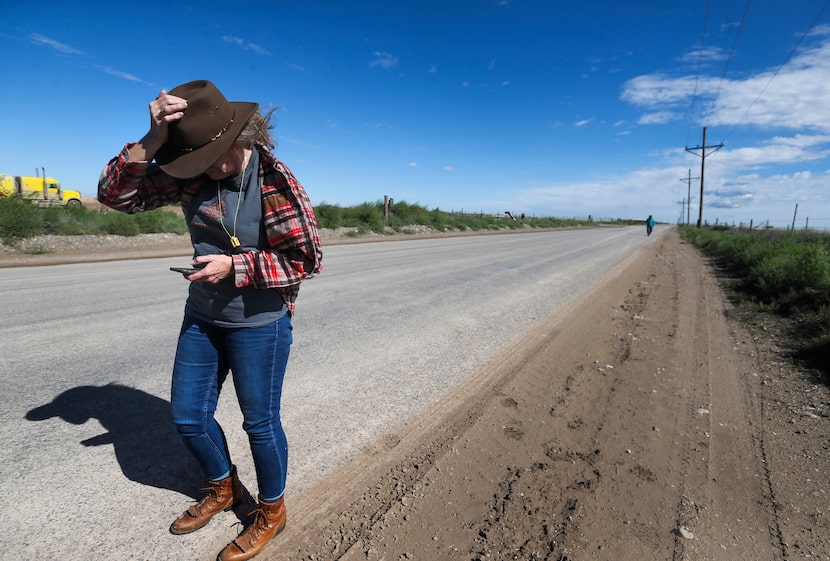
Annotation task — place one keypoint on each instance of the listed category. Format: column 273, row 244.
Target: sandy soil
column 643, row 422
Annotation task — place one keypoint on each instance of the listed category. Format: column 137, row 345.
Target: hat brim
column 182, row 165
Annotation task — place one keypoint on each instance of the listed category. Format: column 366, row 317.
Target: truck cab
column 42, row 190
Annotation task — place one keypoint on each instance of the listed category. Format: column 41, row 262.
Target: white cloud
column 39, row 39
column 705, row 55
column 242, row 44
column 735, row 191
column 658, row 118
column 384, row 60
column 654, row 91
column 774, row 151
column 257, row 49
column 118, row 73
column 239, row 42
column 796, row 96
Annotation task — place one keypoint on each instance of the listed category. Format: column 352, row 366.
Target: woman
column 255, row 239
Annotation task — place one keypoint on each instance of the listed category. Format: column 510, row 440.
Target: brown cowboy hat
column 206, row 131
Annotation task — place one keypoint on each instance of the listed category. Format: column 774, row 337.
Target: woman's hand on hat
column 164, row 110
column 214, row 268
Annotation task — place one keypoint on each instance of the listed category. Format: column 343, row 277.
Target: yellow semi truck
column 44, row 190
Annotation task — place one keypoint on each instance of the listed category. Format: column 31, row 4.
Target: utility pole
column 702, row 149
column 688, row 181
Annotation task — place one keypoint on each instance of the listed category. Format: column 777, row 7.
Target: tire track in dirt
column 727, row 503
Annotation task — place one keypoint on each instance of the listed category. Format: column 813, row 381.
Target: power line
column 777, row 70
column 732, row 50
column 697, row 77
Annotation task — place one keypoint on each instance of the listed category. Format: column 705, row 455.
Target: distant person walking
column 649, row 225
column 255, row 239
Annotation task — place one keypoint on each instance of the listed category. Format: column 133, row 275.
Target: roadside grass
column 19, row 219
column 373, row 217
column 777, row 275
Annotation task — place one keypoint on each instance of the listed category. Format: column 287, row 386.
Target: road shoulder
column 640, row 422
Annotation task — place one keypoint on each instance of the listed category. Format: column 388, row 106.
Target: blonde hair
column 256, row 130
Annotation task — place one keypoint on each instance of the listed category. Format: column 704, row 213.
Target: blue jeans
column 257, row 357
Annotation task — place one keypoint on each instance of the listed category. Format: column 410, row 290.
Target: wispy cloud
column 39, row 39
column 243, row 44
column 704, row 56
column 658, row 118
column 730, row 198
column 63, row 48
column 583, row 122
column 118, row 73
column 384, row 60
column 656, row 91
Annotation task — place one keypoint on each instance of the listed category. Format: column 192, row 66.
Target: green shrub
column 406, row 213
column 778, row 273
column 19, row 219
column 329, row 216
column 438, row 220
column 70, row 220
column 365, row 217
column 159, row 221
column 120, row 224
column 72, row 228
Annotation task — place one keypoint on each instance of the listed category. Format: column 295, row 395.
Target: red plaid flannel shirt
column 294, row 251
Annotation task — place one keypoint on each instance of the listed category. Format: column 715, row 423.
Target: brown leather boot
column 269, row 520
column 221, row 495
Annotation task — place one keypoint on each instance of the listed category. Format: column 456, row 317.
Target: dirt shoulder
column 640, row 423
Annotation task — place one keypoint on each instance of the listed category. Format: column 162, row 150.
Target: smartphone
column 184, row 270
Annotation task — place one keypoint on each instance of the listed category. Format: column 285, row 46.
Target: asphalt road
column 91, row 466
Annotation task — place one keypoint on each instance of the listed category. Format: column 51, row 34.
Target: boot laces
column 214, row 495
column 259, row 525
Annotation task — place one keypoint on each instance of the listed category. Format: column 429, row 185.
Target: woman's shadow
column 140, row 428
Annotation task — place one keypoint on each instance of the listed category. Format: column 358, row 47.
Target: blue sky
column 550, row 108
